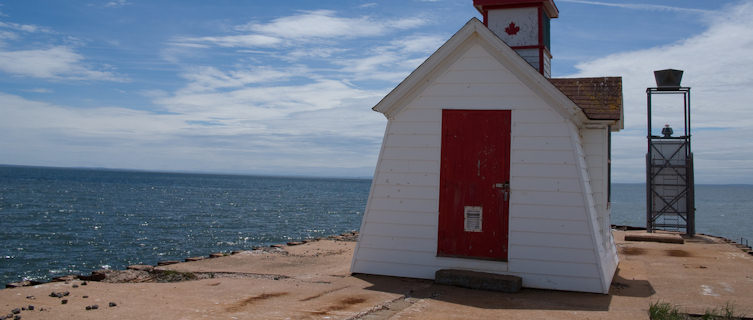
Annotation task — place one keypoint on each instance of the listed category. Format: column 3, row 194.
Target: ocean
column 56, row 221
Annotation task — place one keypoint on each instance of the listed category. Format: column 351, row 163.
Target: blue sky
column 286, row 87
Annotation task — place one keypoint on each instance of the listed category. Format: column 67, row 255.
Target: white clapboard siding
column 408, row 166
column 547, row 239
column 407, row 153
column 400, row 230
column 404, row 218
column 424, row 179
column 405, row 192
column 547, row 184
column 538, row 211
column 551, row 243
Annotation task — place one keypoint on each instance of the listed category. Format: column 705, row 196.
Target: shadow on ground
column 533, row 299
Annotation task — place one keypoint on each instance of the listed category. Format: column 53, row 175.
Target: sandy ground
column 312, row 281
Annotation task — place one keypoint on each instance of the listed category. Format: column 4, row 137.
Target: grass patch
column 174, row 276
column 666, row 311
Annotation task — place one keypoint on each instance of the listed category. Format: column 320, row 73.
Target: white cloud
column 249, row 40
column 23, row 27
column 53, row 63
column 638, row 6
column 324, row 24
column 117, row 4
column 210, row 78
column 717, row 66
column 302, row 28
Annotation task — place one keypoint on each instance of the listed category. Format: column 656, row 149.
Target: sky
column 286, row 87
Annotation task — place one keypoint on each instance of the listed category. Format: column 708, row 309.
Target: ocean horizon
column 59, row 221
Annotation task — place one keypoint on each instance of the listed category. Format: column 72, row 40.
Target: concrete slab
column 478, row 280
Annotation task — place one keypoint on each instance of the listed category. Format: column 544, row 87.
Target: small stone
column 191, row 259
column 85, row 297
column 277, row 246
column 64, row 301
column 16, row 311
column 236, row 251
column 31, row 308
column 216, row 255
column 75, row 286
column 88, row 307
column 65, row 294
column 113, row 304
column 83, row 283
column 30, row 297
column 294, row 243
column 17, row 317
column 95, row 307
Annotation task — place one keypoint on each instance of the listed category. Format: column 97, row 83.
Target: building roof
column 599, row 98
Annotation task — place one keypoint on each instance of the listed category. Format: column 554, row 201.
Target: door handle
column 505, row 187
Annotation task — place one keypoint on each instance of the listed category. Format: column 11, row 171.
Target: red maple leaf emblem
column 512, row 29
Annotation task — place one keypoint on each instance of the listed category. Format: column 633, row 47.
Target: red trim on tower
column 537, row 46
column 549, row 6
column 486, row 18
column 541, row 39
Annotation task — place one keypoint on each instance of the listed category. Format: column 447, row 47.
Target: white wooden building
column 489, row 165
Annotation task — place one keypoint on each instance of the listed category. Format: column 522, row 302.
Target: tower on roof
column 524, row 26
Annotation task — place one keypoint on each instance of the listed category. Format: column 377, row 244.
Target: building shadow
column 533, row 299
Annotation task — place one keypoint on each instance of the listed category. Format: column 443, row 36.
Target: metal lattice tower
column 670, row 190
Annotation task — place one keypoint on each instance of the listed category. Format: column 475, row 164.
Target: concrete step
column 478, row 280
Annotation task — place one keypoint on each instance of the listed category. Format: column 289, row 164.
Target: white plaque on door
column 473, row 217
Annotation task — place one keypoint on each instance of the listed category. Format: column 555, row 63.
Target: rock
column 294, row 243
column 95, row 307
column 85, row 297
column 69, row 277
column 277, row 246
column 167, row 262
column 236, row 251
column 125, row 276
column 75, row 286
column 17, row 317
column 30, row 307
column 16, row 311
column 83, row 283
column 141, row 267
column 113, row 304
column 97, row 275
column 30, row 297
column 88, row 307
column 25, row 283
column 216, row 255
column 64, row 301
column 194, row 259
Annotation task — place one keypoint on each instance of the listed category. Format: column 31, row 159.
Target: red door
column 474, row 184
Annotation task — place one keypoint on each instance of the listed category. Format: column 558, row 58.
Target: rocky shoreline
column 149, row 273
column 313, row 280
